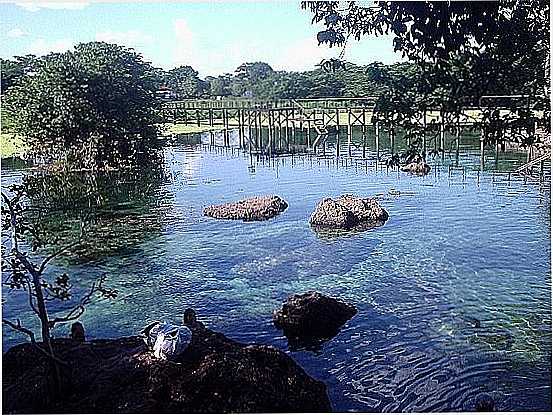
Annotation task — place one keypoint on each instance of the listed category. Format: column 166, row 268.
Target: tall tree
column 184, row 81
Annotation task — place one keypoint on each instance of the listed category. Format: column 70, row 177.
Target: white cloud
column 131, row 38
column 304, row 55
column 185, row 50
column 41, row 47
column 34, row 6
column 16, row 33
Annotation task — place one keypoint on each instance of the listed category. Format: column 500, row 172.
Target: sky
column 214, row 37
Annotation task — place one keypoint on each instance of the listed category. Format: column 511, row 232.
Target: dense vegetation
column 461, row 50
column 94, row 107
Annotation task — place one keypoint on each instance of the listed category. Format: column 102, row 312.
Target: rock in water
column 420, row 168
column 347, row 211
column 77, row 332
column 311, row 318
column 484, row 403
column 251, row 209
column 213, row 375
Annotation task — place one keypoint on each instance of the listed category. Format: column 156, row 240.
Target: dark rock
column 484, row 403
column 213, row 375
column 252, row 209
column 77, row 332
column 310, row 319
column 416, row 165
column 347, row 212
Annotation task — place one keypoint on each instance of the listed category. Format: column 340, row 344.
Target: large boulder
column 251, row 209
column 346, row 212
column 310, row 319
column 213, row 375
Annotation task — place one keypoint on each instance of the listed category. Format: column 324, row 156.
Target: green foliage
column 185, row 83
column 462, row 50
column 13, row 70
column 94, row 107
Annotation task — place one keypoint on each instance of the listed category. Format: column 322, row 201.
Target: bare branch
column 18, row 327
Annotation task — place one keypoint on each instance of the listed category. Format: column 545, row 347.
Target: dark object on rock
column 213, row 375
column 252, row 209
column 484, row 403
column 310, row 319
column 77, row 332
column 347, row 212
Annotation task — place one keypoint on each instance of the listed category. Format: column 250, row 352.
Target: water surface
column 453, row 292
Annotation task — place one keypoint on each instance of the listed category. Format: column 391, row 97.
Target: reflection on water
column 453, row 291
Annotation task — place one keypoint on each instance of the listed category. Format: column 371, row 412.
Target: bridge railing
column 307, row 103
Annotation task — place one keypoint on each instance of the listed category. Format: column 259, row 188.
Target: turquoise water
column 460, row 246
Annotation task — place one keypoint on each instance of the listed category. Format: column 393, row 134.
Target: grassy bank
column 11, row 146
column 170, row 129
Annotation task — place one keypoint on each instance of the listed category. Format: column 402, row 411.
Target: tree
column 94, row 107
column 253, row 72
column 464, row 49
column 13, row 70
column 184, row 81
column 21, row 240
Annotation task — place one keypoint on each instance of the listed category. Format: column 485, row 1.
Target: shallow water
column 460, row 247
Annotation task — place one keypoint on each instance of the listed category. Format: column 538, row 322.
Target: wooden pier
column 270, row 128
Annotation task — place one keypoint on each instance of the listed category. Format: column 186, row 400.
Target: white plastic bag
column 166, row 340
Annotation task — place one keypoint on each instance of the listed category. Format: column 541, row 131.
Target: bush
column 94, row 107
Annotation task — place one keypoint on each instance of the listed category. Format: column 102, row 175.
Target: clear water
column 459, row 246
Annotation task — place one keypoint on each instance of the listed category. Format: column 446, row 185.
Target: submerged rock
column 251, row 209
column 348, row 211
column 310, row 319
column 213, row 375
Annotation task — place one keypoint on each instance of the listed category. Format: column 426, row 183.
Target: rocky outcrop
column 416, row 168
column 251, row 209
column 416, row 165
column 310, row 319
column 348, row 211
column 213, row 375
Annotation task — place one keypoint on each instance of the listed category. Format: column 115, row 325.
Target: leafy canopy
column 94, row 107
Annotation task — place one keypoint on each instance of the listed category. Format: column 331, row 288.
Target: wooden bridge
column 268, row 128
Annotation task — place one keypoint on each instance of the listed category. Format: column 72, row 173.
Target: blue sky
column 213, row 37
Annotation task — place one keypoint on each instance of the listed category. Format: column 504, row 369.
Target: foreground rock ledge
column 309, row 319
column 213, row 375
column 347, row 212
column 251, row 209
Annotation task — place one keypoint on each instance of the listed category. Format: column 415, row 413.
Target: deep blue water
column 457, row 247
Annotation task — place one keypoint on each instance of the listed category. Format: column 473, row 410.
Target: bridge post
column 287, row 130
column 240, row 129
column 337, row 132
column 364, row 132
column 349, row 132
column 481, row 150
column 377, row 141
column 271, row 131
column 308, row 135
column 293, row 128
column 442, row 138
